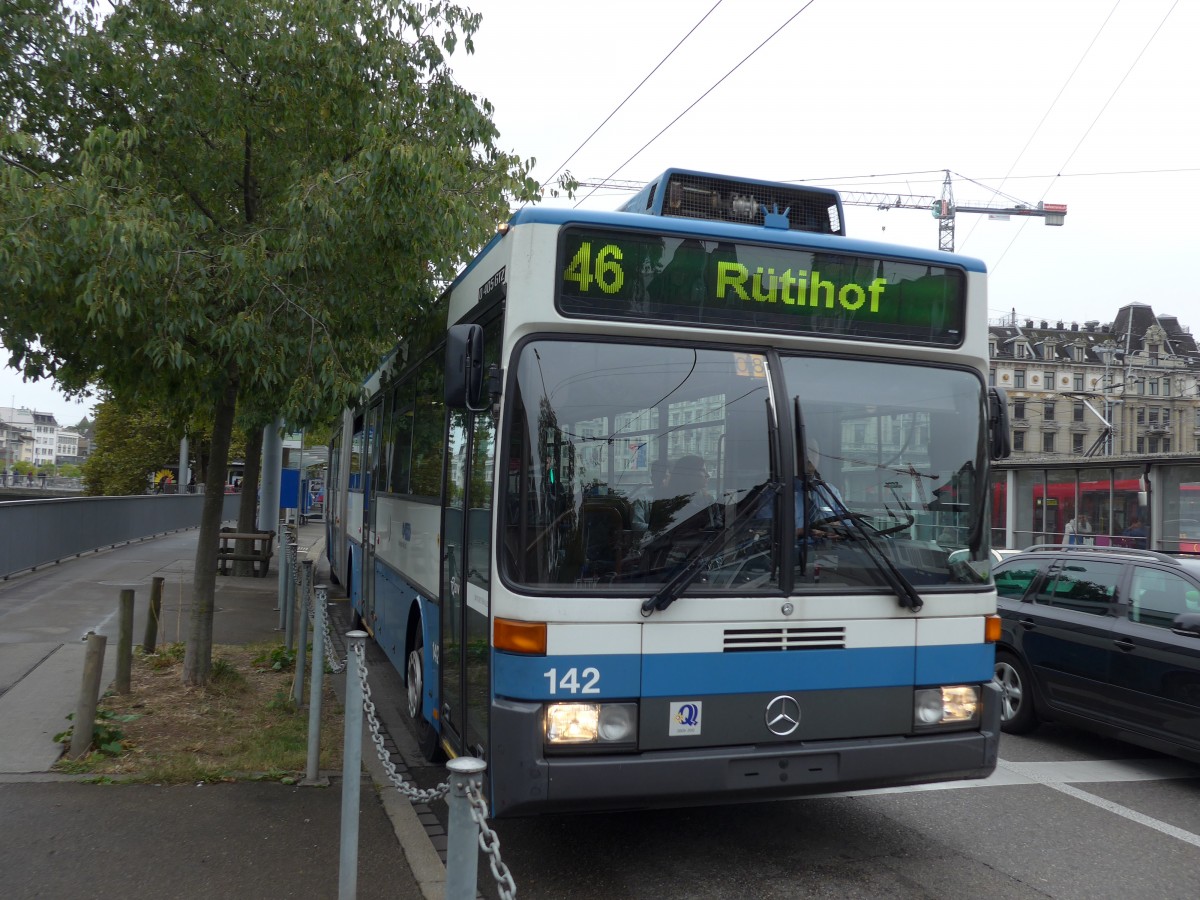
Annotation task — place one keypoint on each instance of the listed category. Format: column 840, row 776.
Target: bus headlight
column 948, row 707
column 607, row 724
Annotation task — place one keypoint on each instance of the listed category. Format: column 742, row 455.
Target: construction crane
column 943, row 208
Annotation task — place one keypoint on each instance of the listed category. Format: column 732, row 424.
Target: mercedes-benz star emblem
column 783, row 715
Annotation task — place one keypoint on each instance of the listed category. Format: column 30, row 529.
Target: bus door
column 371, row 456
column 466, row 578
column 465, row 658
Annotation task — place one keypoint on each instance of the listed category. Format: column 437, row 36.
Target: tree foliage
column 131, row 443
column 235, row 202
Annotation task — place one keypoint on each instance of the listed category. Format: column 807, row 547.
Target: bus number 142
column 570, row 683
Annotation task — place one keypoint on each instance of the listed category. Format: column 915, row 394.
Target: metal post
column 154, row 615
column 316, row 685
column 283, row 542
column 302, row 650
column 124, row 641
column 462, row 839
column 351, row 767
column 89, row 695
column 290, row 605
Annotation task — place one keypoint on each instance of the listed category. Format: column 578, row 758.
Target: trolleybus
column 577, row 516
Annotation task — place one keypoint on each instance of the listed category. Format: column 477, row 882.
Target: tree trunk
column 197, row 659
column 248, row 510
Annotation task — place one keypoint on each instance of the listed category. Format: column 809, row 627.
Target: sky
column 1091, row 103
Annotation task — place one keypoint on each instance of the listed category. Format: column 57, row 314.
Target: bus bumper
column 526, row 782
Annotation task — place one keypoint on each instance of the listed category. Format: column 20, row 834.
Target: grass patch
column 242, row 725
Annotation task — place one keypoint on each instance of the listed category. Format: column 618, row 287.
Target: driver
column 824, row 502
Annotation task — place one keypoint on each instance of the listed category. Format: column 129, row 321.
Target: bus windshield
column 625, row 463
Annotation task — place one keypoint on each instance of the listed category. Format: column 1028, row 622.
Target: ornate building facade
column 1130, row 387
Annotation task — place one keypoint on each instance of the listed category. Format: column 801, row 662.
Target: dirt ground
column 242, row 725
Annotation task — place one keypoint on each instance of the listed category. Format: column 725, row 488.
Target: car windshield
column 627, row 463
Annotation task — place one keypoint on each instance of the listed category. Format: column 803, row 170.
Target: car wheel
column 427, row 738
column 1016, row 694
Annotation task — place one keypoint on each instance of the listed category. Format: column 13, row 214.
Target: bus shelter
column 1141, row 502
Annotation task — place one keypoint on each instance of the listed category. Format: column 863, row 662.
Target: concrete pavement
column 62, row 837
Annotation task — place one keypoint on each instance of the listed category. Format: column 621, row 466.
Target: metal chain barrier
column 489, row 843
column 337, row 666
column 414, row 793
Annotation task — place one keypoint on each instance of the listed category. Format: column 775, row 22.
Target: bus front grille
column 741, row 640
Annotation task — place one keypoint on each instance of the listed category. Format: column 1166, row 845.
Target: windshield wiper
column 905, row 592
column 704, row 555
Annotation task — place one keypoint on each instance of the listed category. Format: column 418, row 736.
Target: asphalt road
column 1065, row 816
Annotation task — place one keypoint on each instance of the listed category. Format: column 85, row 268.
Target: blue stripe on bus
column 966, row 663
column 597, row 676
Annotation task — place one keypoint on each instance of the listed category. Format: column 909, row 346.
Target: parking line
column 1126, row 812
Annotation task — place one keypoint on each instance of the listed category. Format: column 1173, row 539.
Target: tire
column 1017, row 715
column 414, row 679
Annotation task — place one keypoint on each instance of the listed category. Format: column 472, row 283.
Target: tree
column 131, row 444
column 236, row 201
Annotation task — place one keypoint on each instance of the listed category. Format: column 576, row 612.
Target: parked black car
column 1103, row 638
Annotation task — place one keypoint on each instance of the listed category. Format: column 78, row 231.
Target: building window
column 1019, row 441
column 1048, row 383
column 1166, row 418
column 1078, row 354
column 1019, row 410
column 1019, row 379
column 1141, row 445
column 1077, row 411
column 1141, row 415
column 1048, row 442
column 1153, row 387
column 1166, row 445
column 992, row 377
column 1048, row 411
column 1152, row 415
column 1153, row 445
column 1077, row 443
column 1079, row 381
column 1048, row 352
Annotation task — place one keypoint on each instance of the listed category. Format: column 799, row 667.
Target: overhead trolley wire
column 694, row 103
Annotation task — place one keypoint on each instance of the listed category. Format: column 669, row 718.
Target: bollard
column 311, row 775
column 89, row 695
column 282, row 601
column 125, row 641
column 290, row 621
column 462, row 838
column 351, row 767
column 302, row 650
column 150, row 641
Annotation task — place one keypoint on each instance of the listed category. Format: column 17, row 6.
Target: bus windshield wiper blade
column 699, row 561
column 905, row 592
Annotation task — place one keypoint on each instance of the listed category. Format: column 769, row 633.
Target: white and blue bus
column 576, row 513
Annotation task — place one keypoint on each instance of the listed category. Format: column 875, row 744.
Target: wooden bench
column 261, row 547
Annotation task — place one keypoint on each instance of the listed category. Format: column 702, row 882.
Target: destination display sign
column 672, row 279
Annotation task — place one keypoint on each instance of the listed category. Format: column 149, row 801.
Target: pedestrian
column 1079, row 531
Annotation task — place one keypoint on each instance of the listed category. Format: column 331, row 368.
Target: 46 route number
column 570, row 682
column 605, row 270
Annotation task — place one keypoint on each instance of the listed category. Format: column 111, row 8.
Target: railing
column 40, row 532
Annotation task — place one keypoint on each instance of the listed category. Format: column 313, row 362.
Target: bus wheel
column 1016, row 694
column 427, row 738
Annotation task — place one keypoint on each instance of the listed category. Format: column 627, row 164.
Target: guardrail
column 39, row 532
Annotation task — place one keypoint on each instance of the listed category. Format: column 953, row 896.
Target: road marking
column 1126, row 812
column 1058, row 777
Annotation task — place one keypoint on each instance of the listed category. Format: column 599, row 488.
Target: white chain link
column 489, row 843
column 414, row 793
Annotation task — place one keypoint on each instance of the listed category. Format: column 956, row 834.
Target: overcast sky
column 1091, row 103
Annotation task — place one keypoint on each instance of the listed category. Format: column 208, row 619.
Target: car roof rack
column 1159, row 555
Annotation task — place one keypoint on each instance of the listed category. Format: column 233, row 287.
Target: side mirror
column 999, row 435
column 464, row 366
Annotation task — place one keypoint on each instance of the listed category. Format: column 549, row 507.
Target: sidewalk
column 62, row 837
